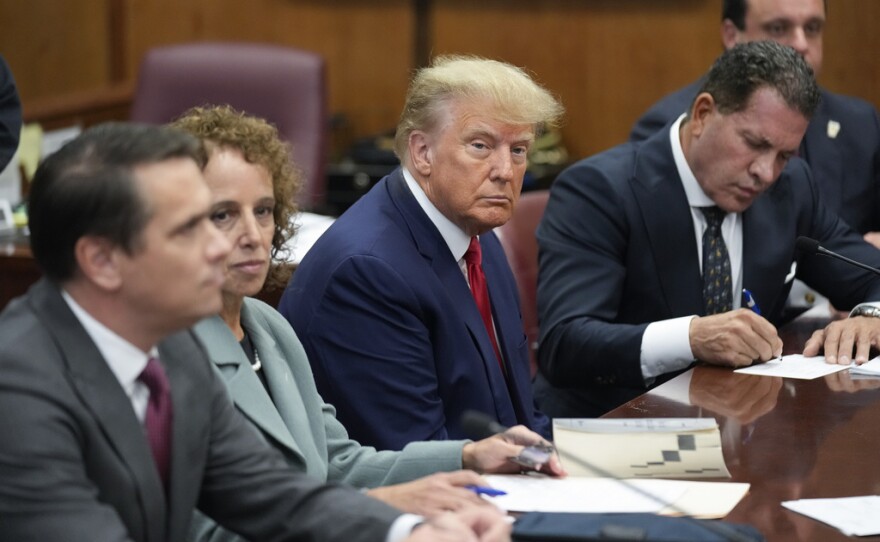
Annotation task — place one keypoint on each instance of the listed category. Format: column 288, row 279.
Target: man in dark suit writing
column 645, row 249
column 115, row 425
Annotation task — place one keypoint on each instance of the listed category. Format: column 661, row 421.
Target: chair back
column 518, row 239
column 283, row 85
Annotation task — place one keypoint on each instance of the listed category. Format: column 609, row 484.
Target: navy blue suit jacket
column 393, row 334
column 10, row 115
column 846, row 167
column 617, row 251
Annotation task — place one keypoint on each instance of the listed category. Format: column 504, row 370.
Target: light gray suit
column 75, row 464
column 300, row 423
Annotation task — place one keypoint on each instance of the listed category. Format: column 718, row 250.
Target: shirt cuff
column 666, row 347
column 402, row 527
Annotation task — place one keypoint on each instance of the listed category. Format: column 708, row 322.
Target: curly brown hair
column 258, row 141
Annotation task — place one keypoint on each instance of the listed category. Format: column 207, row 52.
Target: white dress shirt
column 125, row 360
column 666, row 344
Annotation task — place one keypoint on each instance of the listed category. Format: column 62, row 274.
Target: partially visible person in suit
column 115, row 424
column 406, row 306
column 255, row 350
column 842, row 141
column 10, row 114
column 645, row 249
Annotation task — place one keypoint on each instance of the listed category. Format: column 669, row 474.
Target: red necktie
column 158, row 417
column 477, row 279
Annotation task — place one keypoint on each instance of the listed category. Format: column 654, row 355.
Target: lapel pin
column 833, row 128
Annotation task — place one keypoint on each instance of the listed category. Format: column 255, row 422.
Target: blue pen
column 481, row 490
column 750, row 302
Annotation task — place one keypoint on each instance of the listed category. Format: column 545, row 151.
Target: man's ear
column 702, row 108
column 98, row 261
column 729, row 34
column 421, row 154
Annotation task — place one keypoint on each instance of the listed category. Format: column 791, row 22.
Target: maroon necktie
column 477, row 279
column 158, row 417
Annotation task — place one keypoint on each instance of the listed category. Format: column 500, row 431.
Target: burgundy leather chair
column 518, row 239
column 283, row 85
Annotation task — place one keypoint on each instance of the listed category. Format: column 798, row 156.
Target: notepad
column 640, row 448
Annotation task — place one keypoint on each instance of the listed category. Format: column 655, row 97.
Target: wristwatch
column 866, row 310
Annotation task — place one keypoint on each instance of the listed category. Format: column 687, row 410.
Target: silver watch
column 866, row 310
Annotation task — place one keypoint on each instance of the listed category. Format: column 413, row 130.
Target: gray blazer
column 299, row 423
column 75, row 464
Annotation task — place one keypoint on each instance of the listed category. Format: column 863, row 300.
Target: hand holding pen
column 736, row 338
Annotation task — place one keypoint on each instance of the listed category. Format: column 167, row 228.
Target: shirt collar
column 695, row 195
column 456, row 239
column 125, row 359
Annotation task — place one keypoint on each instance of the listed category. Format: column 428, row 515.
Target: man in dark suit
column 638, row 240
column 395, row 335
column 115, row 425
column 842, row 142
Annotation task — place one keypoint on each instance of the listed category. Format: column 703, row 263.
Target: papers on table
column 794, row 366
column 855, row 516
column 871, row 368
column 798, row 366
column 605, row 495
column 640, row 448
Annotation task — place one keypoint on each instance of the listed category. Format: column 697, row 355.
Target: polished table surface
column 788, row 438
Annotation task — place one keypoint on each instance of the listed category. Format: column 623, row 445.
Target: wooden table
column 788, row 438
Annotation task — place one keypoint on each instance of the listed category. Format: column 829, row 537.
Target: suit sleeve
column 844, row 285
column 249, row 489
column 582, row 242
column 349, row 461
column 372, row 355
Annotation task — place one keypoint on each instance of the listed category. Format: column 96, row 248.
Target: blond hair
column 514, row 97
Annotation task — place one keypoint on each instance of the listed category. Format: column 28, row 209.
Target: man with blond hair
column 406, row 306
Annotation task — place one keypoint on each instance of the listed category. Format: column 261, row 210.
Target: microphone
column 811, row 246
column 479, row 426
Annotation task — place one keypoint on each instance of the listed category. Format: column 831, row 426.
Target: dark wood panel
column 607, row 59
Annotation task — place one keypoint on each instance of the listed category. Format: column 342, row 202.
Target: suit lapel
column 434, row 249
column 508, row 326
column 101, row 393
column 244, row 385
column 766, row 260
column 667, row 216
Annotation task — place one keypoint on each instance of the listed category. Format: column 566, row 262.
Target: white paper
column 794, row 366
column 871, row 368
column 531, row 493
column 577, row 494
column 855, row 516
column 640, row 447
column 635, row 425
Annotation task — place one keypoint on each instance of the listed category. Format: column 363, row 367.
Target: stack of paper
column 603, row 495
column 640, row 448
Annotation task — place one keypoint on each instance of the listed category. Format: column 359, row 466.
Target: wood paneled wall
column 606, row 59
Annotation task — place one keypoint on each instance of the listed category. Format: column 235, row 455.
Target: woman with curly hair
column 253, row 186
